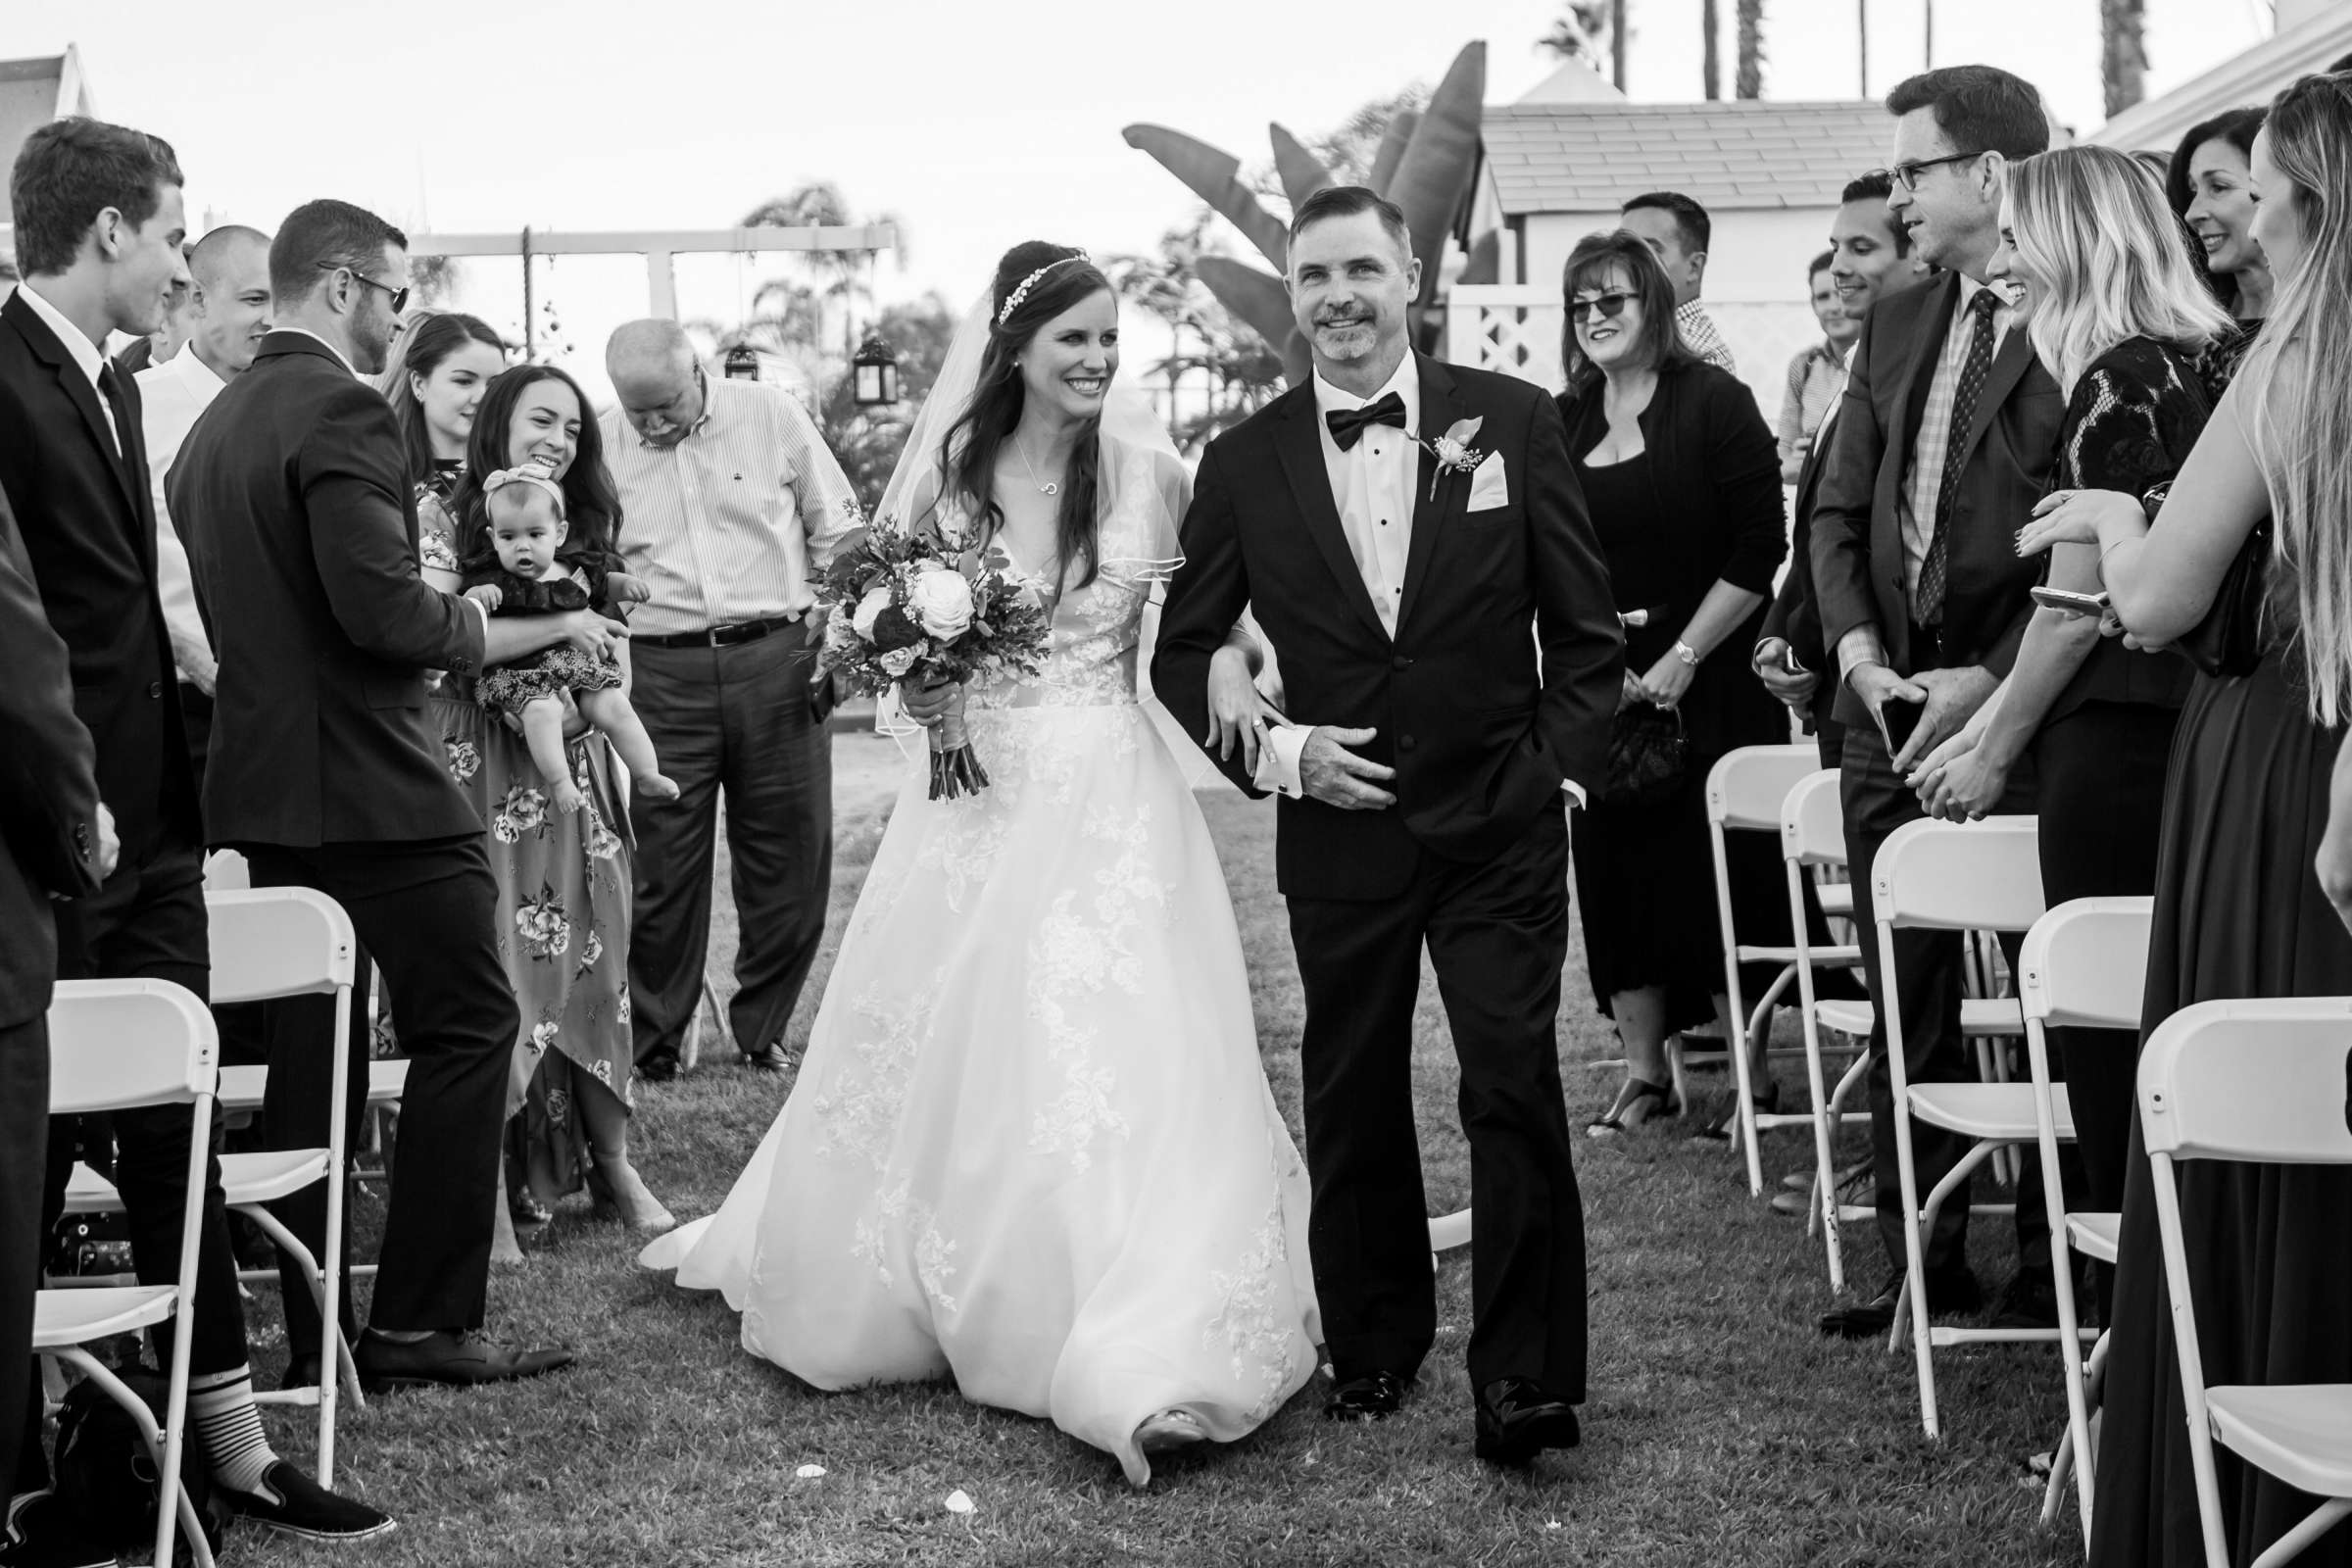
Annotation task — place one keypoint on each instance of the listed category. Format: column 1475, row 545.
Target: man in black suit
column 57, row 841
column 293, row 497
column 1942, row 445
column 98, row 229
column 1409, row 595
column 1870, row 258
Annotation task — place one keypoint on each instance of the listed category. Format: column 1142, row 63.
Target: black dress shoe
column 769, row 1058
column 40, row 1534
column 2029, row 1301
column 1949, row 1293
column 447, row 1359
column 293, row 1504
column 1517, row 1420
column 657, row 1069
column 1374, row 1396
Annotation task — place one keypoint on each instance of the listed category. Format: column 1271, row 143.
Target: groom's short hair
column 1351, row 201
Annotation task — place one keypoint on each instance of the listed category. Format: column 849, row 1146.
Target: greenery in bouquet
column 903, row 609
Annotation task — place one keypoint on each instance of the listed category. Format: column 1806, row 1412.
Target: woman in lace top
column 2119, row 316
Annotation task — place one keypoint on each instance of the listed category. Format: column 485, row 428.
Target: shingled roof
column 1589, row 158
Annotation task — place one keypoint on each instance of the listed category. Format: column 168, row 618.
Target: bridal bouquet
column 903, row 609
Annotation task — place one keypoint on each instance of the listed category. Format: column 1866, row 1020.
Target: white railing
column 1515, row 329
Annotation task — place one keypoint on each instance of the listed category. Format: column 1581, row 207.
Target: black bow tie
column 1347, row 425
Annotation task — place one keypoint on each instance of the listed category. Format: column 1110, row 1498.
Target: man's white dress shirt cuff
column 1278, row 760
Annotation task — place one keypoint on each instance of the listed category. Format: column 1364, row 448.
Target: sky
column 979, row 122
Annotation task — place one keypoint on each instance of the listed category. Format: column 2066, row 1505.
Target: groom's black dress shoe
column 446, row 1358
column 769, row 1058
column 1517, row 1420
column 1374, row 1396
column 1949, row 1292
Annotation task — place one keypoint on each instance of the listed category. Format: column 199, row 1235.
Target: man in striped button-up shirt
column 730, row 504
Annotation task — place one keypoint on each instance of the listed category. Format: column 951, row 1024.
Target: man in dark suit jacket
column 301, row 527
column 57, row 841
column 1870, row 258
column 1942, row 447
column 1408, row 598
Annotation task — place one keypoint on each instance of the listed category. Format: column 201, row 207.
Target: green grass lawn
column 1721, row 1429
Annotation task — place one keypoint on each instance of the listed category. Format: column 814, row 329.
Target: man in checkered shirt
column 1677, row 229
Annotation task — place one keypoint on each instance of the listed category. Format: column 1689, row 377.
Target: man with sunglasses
column 1940, row 448
column 293, row 497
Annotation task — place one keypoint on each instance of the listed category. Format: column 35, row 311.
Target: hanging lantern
column 743, row 362
column 874, row 372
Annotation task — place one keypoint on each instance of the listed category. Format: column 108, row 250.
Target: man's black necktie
column 1347, row 425
column 1928, row 603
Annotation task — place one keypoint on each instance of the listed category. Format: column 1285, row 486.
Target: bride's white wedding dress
column 1031, row 1144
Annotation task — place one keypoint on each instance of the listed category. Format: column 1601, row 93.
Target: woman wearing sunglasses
column 1682, row 479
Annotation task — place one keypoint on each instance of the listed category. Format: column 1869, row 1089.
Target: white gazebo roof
column 1743, row 155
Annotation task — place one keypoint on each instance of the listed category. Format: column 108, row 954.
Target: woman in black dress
column 1683, row 481
column 2117, row 313
column 2240, row 910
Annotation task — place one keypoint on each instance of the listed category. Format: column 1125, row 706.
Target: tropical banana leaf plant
column 1425, row 165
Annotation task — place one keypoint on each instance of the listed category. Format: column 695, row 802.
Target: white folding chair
column 1746, row 791
column 115, row 1044
column 2084, row 966
column 1812, row 840
column 1960, row 877
column 268, row 944
column 2258, row 1083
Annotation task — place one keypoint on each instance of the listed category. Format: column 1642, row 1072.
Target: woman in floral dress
column 564, row 880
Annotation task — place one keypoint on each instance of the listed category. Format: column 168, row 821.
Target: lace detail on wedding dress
column 895, row 1212
column 1071, row 957
column 859, row 1111
column 1251, row 1327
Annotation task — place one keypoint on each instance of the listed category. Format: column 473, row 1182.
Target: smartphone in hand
column 1898, row 718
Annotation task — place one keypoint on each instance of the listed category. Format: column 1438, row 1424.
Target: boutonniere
column 1453, row 451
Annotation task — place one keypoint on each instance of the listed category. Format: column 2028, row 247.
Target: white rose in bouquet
column 942, row 601
column 876, row 601
column 899, row 661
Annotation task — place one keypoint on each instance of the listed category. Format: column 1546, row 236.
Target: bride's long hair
column 2106, row 259
column 2300, row 378
column 967, row 453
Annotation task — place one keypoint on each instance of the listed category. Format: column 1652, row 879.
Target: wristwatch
column 1686, row 653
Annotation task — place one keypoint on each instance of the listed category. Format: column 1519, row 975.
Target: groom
column 1412, row 537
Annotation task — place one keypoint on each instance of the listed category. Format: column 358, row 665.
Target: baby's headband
column 530, row 474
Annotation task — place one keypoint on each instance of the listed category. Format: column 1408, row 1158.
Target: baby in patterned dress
column 523, row 578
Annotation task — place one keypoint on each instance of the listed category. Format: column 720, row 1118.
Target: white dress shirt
column 170, row 397
column 727, row 524
column 84, row 353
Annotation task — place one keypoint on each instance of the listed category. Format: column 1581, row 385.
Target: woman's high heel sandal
column 1639, row 1102
column 1169, row 1431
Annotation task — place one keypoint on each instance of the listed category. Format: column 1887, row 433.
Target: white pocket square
column 1488, row 487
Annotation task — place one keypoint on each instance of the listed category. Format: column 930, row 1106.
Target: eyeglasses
column 1609, row 307
column 1907, row 175
column 400, row 296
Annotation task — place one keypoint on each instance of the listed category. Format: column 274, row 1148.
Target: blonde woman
column 2117, row 311
column 2248, row 561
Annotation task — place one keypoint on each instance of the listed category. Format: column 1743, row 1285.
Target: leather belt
column 727, row 636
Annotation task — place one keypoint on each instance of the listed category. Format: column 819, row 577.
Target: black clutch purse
column 1648, row 755
column 2227, row 642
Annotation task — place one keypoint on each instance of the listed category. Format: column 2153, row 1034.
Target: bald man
column 228, row 295
column 733, row 504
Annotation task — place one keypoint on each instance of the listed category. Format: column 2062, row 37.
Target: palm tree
column 1710, row 61
column 1581, row 32
column 2122, row 53
column 839, row 276
column 1748, row 80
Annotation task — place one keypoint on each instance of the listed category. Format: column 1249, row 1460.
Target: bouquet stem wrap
column 955, row 768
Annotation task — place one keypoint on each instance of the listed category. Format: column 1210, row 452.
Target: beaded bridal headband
column 1013, row 301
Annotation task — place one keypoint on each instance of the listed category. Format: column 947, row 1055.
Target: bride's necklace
column 1044, row 487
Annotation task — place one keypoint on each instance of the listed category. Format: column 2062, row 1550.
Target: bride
column 1031, row 1144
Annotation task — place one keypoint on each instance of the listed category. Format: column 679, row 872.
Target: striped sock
column 228, row 1424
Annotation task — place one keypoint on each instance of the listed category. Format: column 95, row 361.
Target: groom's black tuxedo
column 1472, row 862
column 1481, row 736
